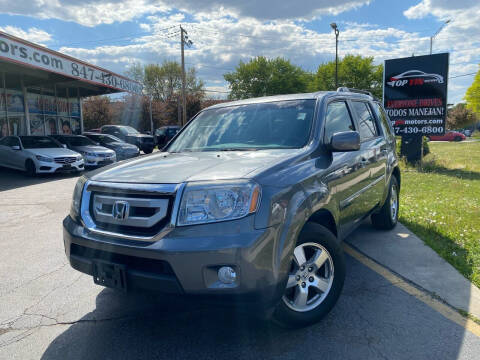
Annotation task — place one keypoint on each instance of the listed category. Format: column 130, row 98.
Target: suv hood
column 174, row 168
column 143, row 136
column 52, row 152
column 92, row 148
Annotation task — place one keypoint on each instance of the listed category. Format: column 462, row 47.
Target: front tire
column 30, row 168
column 387, row 218
column 315, row 280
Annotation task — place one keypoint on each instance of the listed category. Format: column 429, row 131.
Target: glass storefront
column 50, row 110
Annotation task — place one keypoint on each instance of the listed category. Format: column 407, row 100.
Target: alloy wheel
column 394, row 202
column 310, row 278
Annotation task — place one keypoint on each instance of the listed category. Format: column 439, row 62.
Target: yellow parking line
column 423, row 296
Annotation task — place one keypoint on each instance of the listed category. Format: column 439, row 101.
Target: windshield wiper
column 235, row 149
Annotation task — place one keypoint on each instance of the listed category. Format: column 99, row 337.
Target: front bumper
column 187, row 259
column 44, row 167
column 94, row 161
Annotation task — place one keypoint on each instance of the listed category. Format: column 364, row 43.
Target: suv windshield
column 130, row 130
column 76, row 140
column 105, row 139
column 276, row 125
column 38, row 142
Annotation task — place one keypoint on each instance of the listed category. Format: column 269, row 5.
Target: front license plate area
column 109, row 275
column 67, row 166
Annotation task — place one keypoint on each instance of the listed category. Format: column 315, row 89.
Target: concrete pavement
column 403, row 252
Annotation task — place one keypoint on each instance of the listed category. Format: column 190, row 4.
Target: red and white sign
column 23, row 52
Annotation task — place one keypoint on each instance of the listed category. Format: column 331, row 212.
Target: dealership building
column 41, row 90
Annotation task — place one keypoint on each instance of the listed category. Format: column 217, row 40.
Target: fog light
column 227, row 275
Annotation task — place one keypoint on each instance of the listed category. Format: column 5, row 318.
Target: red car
column 449, row 136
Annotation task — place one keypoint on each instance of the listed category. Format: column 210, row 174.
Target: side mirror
column 64, row 146
column 15, row 147
column 345, row 141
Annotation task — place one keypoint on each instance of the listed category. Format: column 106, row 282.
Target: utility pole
column 184, row 41
column 184, row 101
column 151, row 117
column 335, row 28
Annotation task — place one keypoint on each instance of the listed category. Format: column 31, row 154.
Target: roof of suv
column 303, row 96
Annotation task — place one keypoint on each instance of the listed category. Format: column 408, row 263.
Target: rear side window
column 338, row 119
column 384, row 121
column 366, row 120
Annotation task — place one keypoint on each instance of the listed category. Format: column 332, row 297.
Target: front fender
column 286, row 211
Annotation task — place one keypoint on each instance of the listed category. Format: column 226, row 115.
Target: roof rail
column 346, row 89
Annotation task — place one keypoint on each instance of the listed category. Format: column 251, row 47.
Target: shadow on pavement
column 372, row 320
column 12, row 179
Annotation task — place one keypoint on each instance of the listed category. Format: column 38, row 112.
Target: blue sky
column 115, row 33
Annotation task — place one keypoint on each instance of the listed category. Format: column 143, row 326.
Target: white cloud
column 222, row 39
column 95, row 12
column 87, row 13
column 32, row 34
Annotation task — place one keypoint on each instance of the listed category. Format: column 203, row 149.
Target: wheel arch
column 396, row 173
column 325, row 218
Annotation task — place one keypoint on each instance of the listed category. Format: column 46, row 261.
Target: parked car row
column 145, row 142
column 63, row 153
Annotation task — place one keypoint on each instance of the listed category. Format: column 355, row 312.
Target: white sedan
column 38, row 154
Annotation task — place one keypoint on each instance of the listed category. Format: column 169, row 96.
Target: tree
column 261, row 76
column 460, row 116
column 97, row 111
column 473, row 95
column 353, row 71
column 135, row 72
column 164, row 82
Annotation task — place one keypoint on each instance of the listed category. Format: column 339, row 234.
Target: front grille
column 65, row 160
column 130, row 214
column 153, row 266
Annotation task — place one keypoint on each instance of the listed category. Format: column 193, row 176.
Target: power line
column 119, row 37
column 217, row 91
column 456, row 76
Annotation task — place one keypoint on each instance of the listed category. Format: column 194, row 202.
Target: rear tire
column 457, row 138
column 148, row 151
column 30, row 168
column 321, row 279
column 387, row 218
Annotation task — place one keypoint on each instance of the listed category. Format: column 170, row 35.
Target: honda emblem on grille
column 120, row 210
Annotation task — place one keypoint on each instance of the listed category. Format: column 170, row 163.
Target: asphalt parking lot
column 49, row 311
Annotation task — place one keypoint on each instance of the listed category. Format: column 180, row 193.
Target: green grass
column 440, row 202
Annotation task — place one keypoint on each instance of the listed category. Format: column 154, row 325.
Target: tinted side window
column 337, row 119
column 384, row 120
column 4, row 141
column 366, row 120
column 12, row 141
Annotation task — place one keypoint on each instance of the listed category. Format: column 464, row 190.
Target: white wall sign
column 26, row 53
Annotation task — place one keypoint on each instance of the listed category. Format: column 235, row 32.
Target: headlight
column 77, row 197
column 43, row 158
column 79, row 157
column 206, row 202
column 86, row 153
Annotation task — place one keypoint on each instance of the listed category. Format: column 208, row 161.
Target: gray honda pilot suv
column 248, row 204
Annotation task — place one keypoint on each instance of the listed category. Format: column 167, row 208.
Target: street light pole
column 335, row 28
column 438, row 32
